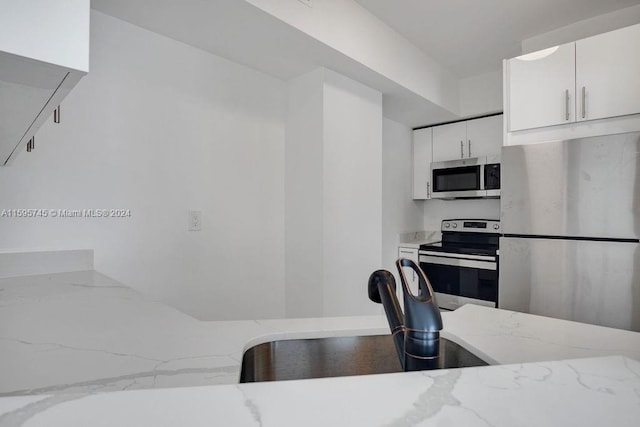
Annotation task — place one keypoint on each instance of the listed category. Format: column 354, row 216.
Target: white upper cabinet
column 449, row 142
column 542, row 88
column 484, row 136
column 608, row 77
column 44, row 52
column 422, row 157
column 471, row 138
column 593, row 78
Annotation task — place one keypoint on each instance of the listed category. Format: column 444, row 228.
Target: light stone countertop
column 582, row 392
column 65, row 337
column 415, row 239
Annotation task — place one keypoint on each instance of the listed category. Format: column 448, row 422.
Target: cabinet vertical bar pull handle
column 428, row 189
column 56, row 115
column 566, row 104
column 584, row 95
column 469, row 148
column 462, row 149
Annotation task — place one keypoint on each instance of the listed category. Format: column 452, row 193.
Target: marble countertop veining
column 85, row 332
column 415, row 239
column 66, row 337
column 580, row 392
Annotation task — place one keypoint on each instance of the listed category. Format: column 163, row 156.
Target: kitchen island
column 65, row 338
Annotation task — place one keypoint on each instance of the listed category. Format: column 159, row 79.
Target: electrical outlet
column 195, row 220
column 306, row 2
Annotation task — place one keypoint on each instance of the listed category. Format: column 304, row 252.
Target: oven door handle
column 460, row 256
column 457, row 262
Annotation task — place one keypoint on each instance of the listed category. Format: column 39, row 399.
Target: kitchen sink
column 338, row 357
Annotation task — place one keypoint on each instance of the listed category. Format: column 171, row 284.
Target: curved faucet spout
column 423, row 321
column 416, row 333
column 421, row 311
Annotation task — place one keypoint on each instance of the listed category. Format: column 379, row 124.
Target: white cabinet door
column 608, row 74
column 484, row 136
column 542, row 88
column 53, row 32
column 449, row 141
column 422, row 157
column 25, row 88
column 44, row 51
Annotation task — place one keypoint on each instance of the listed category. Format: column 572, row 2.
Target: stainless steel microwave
column 465, row 178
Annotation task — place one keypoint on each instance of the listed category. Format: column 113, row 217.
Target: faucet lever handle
column 421, row 311
column 425, row 291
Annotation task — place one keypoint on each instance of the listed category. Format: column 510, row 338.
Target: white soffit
column 243, row 33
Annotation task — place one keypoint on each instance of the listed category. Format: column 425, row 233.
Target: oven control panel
column 471, row 225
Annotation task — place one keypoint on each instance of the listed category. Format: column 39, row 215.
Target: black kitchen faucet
column 416, row 333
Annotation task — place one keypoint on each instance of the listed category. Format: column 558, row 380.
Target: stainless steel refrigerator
column 570, row 214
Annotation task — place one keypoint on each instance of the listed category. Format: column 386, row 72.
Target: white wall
column 304, row 185
column 582, row 29
column 481, row 94
column 333, row 194
column 437, row 210
column 352, row 192
column 160, row 128
column 400, row 213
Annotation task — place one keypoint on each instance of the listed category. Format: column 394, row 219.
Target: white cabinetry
column 542, row 88
column 422, row 157
column 44, row 51
column 471, row 138
column 484, row 136
column 449, row 141
column 608, row 74
column 593, row 78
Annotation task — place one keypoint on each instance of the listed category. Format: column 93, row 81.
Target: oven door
column 458, row 178
column 459, row 279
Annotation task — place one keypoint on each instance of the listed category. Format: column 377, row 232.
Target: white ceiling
column 471, row 37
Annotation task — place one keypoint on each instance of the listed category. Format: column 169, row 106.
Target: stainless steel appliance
column 571, row 224
column 463, row 267
column 464, row 178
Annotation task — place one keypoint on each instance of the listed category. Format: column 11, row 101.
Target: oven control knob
column 447, row 225
column 454, row 225
column 496, row 226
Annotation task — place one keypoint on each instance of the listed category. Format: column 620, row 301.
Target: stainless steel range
column 463, row 267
